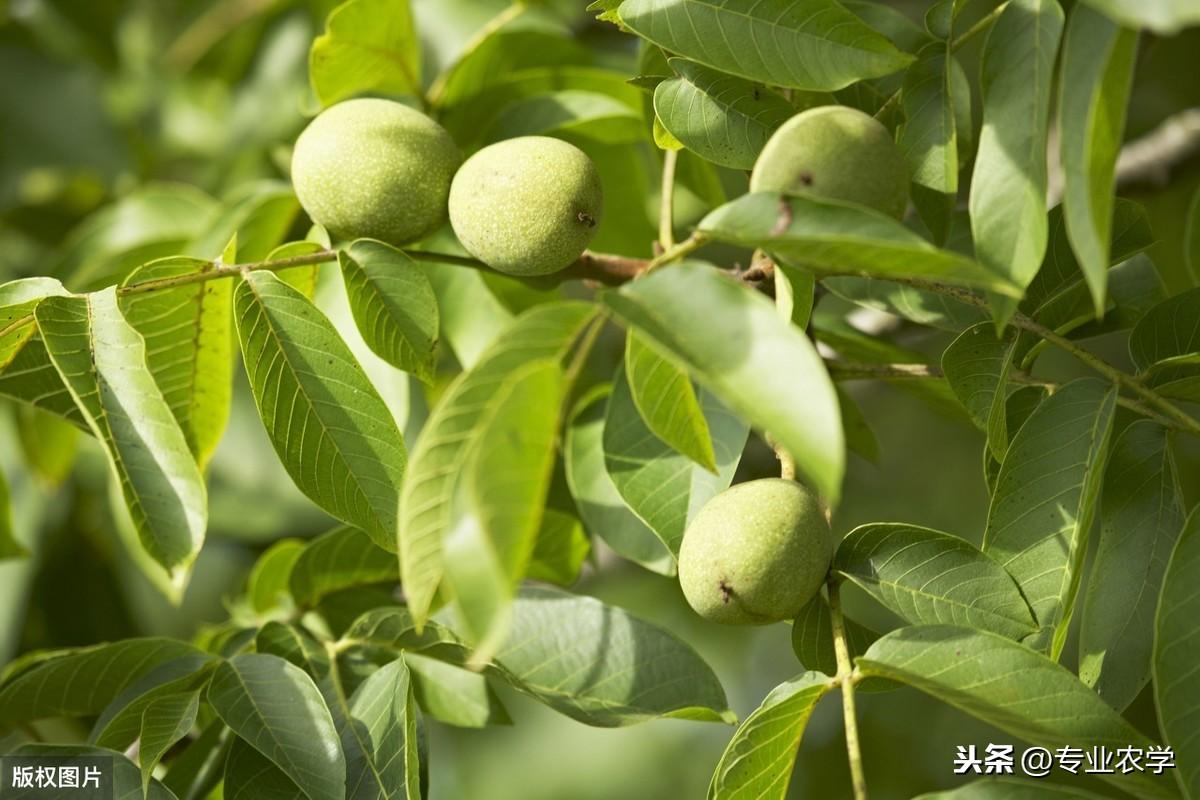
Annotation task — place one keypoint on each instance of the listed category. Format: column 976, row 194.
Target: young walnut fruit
column 838, row 153
column 526, row 206
column 375, row 169
column 756, row 553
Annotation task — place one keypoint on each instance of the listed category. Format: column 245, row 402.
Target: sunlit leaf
column 1013, row 688
column 723, row 119
column 367, row 46
column 393, row 304
column 830, row 237
column 667, row 402
column 102, row 360
column 452, row 433
column 929, row 577
column 189, row 346
column 331, row 430
column 803, row 44
column 1161, row 16
column 758, row 760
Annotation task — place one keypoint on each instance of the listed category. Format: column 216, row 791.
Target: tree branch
column 846, row 677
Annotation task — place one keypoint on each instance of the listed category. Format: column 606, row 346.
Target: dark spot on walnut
column 726, row 591
column 806, row 178
column 587, row 219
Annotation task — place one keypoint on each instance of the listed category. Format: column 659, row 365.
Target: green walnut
column 756, row 553
column 375, row 168
column 838, row 153
column 526, row 206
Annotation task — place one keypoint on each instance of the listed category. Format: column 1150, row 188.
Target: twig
column 1149, row 158
column 1025, row 323
column 687, row 246
column 847, row 677
column 666, row 213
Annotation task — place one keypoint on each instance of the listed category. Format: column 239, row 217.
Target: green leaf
column 733, row 342
column 801, row 44
column 49, row 444
column 929, row 577
column 268, row 581
column 1161, row 16
column 10, row 547
column 393, row 304
column 1059, row 297
column 560, row 551
column 826, row 236
column 102, row 360
column 31, row 378
column 1010, row 789
column 1141, row 514
column 928, row 138
column 452, row 434
column 120, row 723
column 812, row 637
column 275, row 707
column 293, row 644
column 1176, row 654
column 758, row 761
column 197, row 770
column 126, row 780
column 340, row 559
column 164, row 723
column 189, row 346
column 382, row 735
column 18, row 299
column 368, row 46
column 1041, row 510
column 600, row 505
column 1165, row 346
column 322, row 413
column 249, row 775
column 82, row 682
column 618, row 671
column 256, row 218
column 977, row 365
column 574, row 113
column 1008, row 185
column 1094, row 85
column 664, row 488
column 499, row 500
column 453, row 695
column 667, row 402
column 723, row 119
column 1011, row 687
column 916, row 305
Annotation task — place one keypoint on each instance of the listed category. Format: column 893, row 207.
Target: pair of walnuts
column 759, row 551
column 378, row 169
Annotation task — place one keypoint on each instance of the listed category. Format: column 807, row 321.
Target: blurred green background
column 111, row 109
